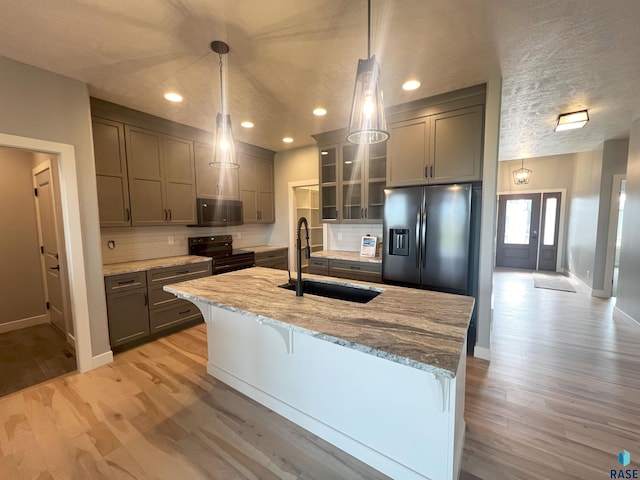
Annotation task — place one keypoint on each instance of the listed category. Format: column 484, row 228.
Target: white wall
column 629, row 277
column 583, row 215
column 46, row 106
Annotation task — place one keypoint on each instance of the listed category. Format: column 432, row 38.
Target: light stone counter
column 264, row 248
column 345, row 255
column 142, row 265
column 423, row 329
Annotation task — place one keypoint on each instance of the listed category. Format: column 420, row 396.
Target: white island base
column 403, row 421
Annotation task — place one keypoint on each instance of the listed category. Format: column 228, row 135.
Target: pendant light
column 522, row 175
column 224, row 150
column 367, row 123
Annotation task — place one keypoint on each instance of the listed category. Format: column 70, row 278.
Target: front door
column 518, row 225
column 520, row 218
column 45, row 208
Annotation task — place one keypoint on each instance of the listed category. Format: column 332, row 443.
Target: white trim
column 23, row 323
column 482, row 352
column 600, row 293
column 620, row 315
column 73, row 237
column 102, row 359
column 573, row 276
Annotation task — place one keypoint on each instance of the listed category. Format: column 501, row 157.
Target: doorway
column 528, row 230
column 305, row 204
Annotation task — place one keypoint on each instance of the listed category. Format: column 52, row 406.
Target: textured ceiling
column 289, row 56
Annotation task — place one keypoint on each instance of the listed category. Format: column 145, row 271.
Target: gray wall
column 629, row 277
column 583, row 215
column 549, row 173
column 21, row 284
column 40, row 104
column 614, row 161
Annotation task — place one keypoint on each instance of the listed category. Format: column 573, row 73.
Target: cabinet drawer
column 164, row 276
column 274, row 254
column 366, row 271
column 125, row 281
column 180, row 312
column 319, row 266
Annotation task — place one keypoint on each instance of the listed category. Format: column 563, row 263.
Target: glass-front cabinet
column 352, row 179
column 329, row 184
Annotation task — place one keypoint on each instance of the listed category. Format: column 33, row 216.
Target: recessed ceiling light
column 287, row 140
column 410, row 85
column 319, row 112
column 247, row 124
column 173, row 97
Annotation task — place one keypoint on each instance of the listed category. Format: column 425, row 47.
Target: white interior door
column 49, row 248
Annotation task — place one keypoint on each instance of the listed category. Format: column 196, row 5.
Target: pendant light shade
column 522, row 175
column 224, row 150
column 367, row 123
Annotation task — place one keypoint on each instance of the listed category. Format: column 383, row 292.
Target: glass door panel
column 329, row 184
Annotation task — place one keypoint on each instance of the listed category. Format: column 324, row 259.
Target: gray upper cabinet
column 161, row 178
column 256, row 188
column 214, row 182
column 437, row 140
column 111, row 173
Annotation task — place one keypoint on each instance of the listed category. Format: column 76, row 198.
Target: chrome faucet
column 307, row 253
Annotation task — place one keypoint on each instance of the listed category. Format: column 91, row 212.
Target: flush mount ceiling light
column 246, row 124
column 287, row 140
column 173, row 97
column 367, row 123
column 569, row 121
column 224, row 149
column 319, row 112
column 522, row 175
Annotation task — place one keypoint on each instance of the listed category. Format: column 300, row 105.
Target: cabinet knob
column 127, row 214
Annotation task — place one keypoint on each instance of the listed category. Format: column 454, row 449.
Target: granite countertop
column 142, row 265
column 419, row 328
column 263, row 248
column 345, row 255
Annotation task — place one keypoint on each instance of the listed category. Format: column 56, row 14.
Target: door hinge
column 41, row 249
column 48, row 306
column 35, row 192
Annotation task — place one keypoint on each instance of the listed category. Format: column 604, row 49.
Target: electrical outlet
column 111, row 244
column 170, row 239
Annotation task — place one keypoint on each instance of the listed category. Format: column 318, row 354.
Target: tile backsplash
column 143, row 243
column 348, row 237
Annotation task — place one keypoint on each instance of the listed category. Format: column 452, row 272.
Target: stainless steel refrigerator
column 427, row 237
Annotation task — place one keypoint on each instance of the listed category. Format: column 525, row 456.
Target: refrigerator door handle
column 423, row 243
column 418, row 216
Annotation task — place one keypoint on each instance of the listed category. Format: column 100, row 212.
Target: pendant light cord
column 222, row 105
column 369, row 29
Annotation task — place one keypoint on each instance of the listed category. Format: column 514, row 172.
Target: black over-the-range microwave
column 218, row 213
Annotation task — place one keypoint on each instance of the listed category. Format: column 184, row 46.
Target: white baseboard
column 103, row 359
column 482, row 352
column 24, row 323
column 573, row 276
column 599, row 294
column 620, row 315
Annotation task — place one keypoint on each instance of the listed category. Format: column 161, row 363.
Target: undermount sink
column 334, row 290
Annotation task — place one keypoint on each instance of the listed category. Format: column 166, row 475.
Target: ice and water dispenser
column 399, row 244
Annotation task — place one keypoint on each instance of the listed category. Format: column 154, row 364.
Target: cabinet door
column 146, row 171
column 456, row 145
column 179, row 180
column 352, row 172
column 407, row 151
column 111, row 173
column 249, row 207
column 214, row 182
column 264, row 175
column 328, row 194
column 265, row 207
column 376, row 182
column 128, row 316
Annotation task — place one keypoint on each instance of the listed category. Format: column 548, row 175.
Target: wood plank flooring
column 559, row 399
column 561, row 395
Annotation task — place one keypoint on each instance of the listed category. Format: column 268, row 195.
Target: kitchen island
column 383, row 381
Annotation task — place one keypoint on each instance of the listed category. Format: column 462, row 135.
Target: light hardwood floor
column 559, row 399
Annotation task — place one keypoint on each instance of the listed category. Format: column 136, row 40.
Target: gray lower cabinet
column 138, row 307
column 278, row 259
column 127, row 306
column 351, row 269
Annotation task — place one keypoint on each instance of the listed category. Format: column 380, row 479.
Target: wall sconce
column 569, row 121
column 522, row 175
